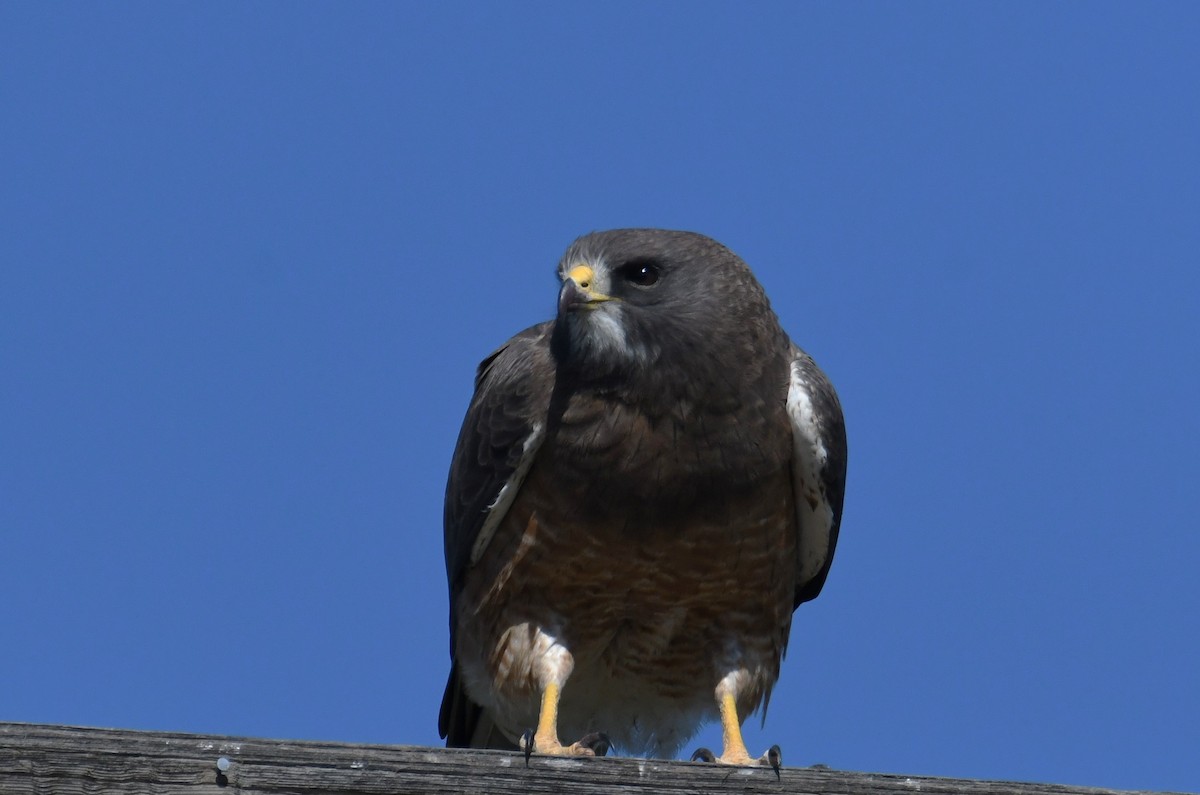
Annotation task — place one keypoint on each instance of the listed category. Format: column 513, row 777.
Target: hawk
column 643, row 491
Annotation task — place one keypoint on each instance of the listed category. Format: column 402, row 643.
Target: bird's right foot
column 594, row 744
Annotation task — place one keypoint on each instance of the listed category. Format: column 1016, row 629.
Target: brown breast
column 674, row 605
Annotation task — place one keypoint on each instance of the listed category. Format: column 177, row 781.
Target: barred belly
column 647, row 626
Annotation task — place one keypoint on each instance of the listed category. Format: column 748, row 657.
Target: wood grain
column 38, row 758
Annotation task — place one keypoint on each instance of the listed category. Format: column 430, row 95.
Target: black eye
column 643, row 274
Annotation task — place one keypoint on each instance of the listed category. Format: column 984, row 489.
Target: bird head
column 636, row 302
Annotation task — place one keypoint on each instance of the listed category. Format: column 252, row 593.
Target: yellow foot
column 738, row 756
column 594, row 744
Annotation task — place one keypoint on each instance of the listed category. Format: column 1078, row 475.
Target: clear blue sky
column 251, row 253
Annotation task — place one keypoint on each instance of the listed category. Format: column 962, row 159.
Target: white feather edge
column 813, row 512
column 508, row 492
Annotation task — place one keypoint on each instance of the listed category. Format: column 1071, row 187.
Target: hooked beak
column 578, row 291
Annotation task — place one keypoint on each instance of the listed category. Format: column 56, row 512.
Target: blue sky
column 251, row 254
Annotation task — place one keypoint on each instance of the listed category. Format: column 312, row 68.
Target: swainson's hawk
column 644, row 489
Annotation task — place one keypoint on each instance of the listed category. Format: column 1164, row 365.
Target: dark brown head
column 673, row 312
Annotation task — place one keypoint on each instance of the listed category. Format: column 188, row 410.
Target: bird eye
column 643, row 274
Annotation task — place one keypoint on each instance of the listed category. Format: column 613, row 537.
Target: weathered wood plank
column 36, row 758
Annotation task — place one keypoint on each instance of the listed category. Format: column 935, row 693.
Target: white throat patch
column 600, row 333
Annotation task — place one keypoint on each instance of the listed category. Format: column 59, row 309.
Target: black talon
column 775, row 759
column 703, row 755
column 597, row 741
column 527, row 744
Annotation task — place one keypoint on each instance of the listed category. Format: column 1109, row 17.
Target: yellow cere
column 582, row 275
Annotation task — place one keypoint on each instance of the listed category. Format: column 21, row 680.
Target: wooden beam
column 39, row 759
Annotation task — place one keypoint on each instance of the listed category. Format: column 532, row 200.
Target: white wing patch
column 813, row 511
column 508, row 492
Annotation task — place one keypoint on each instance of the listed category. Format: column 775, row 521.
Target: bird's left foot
column 773, row 758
